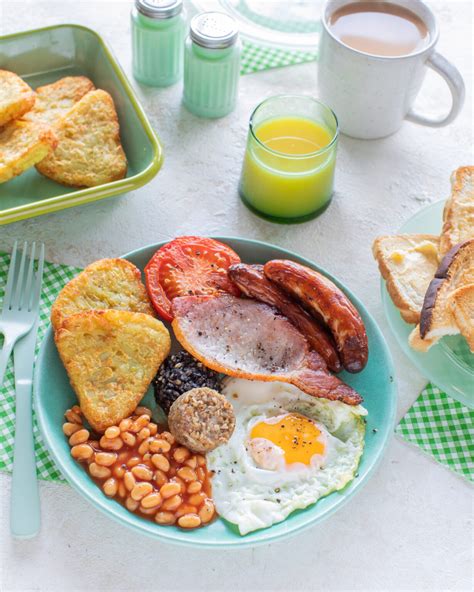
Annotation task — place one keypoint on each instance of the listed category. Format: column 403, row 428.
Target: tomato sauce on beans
column 145, row 470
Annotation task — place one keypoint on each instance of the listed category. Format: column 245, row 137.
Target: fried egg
column 288, row 450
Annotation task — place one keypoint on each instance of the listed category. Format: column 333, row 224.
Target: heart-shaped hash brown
column 111, row 356
column 104, row 284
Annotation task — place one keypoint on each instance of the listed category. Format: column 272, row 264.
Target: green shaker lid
column 159, row 9
column 214, row 30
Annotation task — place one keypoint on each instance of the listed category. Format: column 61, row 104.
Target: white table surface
column 411, row 527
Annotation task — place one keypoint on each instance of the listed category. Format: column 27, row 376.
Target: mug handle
column 456, row 85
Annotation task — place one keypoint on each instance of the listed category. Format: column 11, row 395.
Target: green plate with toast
column 448, row 364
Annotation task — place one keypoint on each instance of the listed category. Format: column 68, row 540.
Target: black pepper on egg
column 181, row 373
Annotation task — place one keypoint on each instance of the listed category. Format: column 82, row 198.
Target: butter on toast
column 16, row 97
column 408, row 263
column 22, row 145
column 89, row 152
column 458, row 214
column 105, row 284
column 111, row 357
column 439, row 316
column 55, row 100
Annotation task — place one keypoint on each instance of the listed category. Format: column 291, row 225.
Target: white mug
column 372, row 95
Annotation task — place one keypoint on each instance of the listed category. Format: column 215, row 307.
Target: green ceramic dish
column 53, row 396
column 44, row 55
column 449, row 364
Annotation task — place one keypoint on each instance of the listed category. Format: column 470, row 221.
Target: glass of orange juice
column 288, row 170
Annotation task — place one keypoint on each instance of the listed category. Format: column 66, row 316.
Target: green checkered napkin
column 55, row 276
column 282, row 23
column 257, row 57
column 443, row 428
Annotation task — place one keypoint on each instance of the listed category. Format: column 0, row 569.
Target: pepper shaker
column 212, row 65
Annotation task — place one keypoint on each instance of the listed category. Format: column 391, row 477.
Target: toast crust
column 111, row 357
column 455, row 271
column 461, row 303
column 417, row 343
column 458, row 214
column 407, row 269
column 105, row 284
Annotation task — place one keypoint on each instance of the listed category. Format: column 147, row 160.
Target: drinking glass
column 282, row 187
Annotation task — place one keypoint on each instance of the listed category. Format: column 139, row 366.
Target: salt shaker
column 158, row 32
column 212, row 65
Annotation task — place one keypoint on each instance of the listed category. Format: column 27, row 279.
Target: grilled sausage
column 323, row 298
column 252, row 282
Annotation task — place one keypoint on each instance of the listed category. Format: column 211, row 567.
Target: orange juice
column 293, row 135
column 288, row 168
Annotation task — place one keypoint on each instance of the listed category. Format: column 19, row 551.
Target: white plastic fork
column 21, row 299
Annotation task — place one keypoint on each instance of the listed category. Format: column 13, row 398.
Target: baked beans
column 144, row 469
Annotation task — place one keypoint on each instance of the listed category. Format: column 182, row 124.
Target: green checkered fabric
column 443, row 428
column 257, row 57
column 284, row 24
column 55, row 276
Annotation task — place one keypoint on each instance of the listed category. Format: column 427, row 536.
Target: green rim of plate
column 91, row 194
column 304, row 518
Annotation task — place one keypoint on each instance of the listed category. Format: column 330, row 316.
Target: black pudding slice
column 178, row 374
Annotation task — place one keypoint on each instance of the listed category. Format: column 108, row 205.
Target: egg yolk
column 298, row 437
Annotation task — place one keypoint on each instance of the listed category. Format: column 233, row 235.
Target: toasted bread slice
column 461, row 302
column 458, row 215
column 22, row 145
column 16, row 97
column 111, row 356
column 55, row 100
column 417, row 343
column 408, row 263
column 105, row 284
column 437, row 319
column 89, row 152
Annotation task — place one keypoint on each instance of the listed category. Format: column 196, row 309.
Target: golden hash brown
column 22, row 145
column 16, row 97
column 56, row 99
column 111, row 357
column 89, row 152
column 105, row 284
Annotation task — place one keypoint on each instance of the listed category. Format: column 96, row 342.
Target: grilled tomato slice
column 188, row 266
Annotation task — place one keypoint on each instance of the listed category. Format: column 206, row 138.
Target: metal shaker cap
column 159, row 9
column 214, row 30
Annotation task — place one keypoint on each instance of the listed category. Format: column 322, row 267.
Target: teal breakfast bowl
column 376, row 383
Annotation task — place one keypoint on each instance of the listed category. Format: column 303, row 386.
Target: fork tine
column 36, row 296
column 26, row 296
column 7, row 297
column 19, row 280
